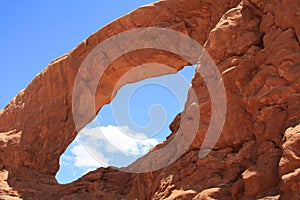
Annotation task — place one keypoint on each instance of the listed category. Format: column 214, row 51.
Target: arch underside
column 262, row 90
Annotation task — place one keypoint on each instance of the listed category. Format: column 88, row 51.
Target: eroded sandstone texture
column 255, row 44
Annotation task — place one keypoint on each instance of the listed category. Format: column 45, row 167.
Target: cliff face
column 255, row 45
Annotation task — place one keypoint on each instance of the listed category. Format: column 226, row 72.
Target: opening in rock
column 136, row 120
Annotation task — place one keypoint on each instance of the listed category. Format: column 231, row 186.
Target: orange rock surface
column 255, row 44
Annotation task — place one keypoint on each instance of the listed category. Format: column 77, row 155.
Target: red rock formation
column 255, row 44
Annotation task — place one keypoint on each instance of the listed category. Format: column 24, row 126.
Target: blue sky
column 136, row 120
column 33, row 33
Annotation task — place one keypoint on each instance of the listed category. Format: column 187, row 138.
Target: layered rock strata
column 255, row 45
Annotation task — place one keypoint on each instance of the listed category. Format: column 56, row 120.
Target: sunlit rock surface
column 255, row 45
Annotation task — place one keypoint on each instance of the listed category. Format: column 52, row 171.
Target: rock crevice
column 255, row 45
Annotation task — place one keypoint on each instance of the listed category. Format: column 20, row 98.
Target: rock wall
column 255, row 45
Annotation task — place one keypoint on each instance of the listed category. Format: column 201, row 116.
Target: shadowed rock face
column 255, row 45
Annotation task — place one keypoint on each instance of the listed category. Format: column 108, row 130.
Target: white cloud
column 101, row 146
column 66, row 157
column 83, row 158
column 121, row 139
column 88, row 170
column 95, row 146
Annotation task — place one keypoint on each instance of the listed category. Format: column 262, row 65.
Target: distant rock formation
column 255, row 44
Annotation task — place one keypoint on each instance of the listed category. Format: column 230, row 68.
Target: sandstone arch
column 260, row 83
